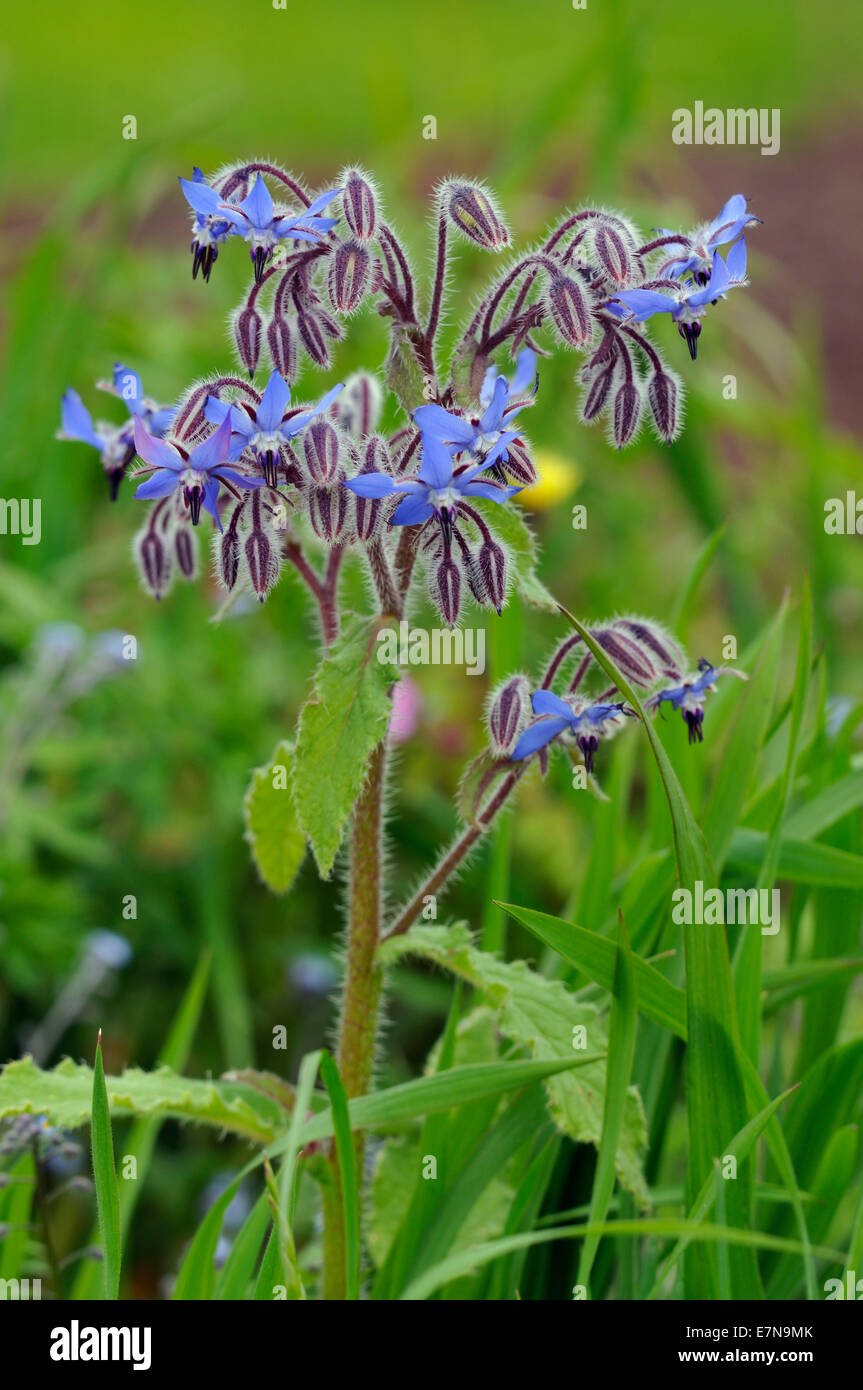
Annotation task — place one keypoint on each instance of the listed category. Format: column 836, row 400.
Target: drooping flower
column 265, row 429
column 211, row 227
column 702, row 241
column 689, row 697
column 586, row 722
column 437, row 490
column 199, row 473
column 263, row 225
column 689, row 305
column 114, row 443
column 488, row 436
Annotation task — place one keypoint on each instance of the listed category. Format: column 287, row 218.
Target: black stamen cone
column 694, row 721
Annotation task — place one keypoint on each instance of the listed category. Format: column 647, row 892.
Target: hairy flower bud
column 569, row 310
column 491, row 563
column 262, row 554
column 662, row 395
column 612, row 253
column 247, row 336
column 186, row 551
column 508, row 713
column 519, row 464
column 472, row 211
column 368, row 511
column 358, row 205
column 349, row 273
column 655, row 642
column 309, row 327
column 328, row 511
column 445, row 589
column 321, row 450
column 282, row 342
column 627, row 413
column 635, row 662
column 153, row 557
column 358, row 407
column 598, row 391
column 227, row 550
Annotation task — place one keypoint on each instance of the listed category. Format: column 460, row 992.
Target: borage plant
column 277, row 481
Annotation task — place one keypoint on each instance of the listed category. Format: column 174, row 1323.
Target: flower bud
column 634, row 661
column 612, row 253
column 445, row 589
column 569, row 311
column 598, row 392
column 519, row 464
column 247, row 336
column 358, row 205
column 509, row 712
column 321, row 449
column 491, row 562
column 312, row 338
column 654, row 642
column 328, row 511
column 153, row 558
column 627, row 413
column 348, row 281
column 662, row 395
column 262, row 561
column 227, row 551
column 368, row 511
column 358, row 407
column 186, row 551
column 282, row 342
column 471, row 209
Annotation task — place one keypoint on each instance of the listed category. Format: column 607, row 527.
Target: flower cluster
column 276, row 476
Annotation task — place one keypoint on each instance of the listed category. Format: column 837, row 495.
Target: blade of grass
column 105, row 1179
column 347, row 1173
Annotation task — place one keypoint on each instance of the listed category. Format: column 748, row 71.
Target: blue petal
column 160, row 484
column 371, row 485
column 274, row 403
column 160, row 420
column 492, row 492
column 717, row 284
column 232, row 476
column 412, row 510
column 77, row 421
column 436, row 469
column 128, row 386
column 322, row 201
column 210, row 498
column 434, row 420
column 158, row 452
column 537, row 736
column 493, row 416
column 734, row 209
column 737, row 260
column 525, row 372
column 214, row 449
column 643, row 303
column 258, row 205
column 546, row 702
column 200, row 196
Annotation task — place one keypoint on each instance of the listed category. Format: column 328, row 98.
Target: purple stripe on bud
column 282, row 343
column 519, row 464
column 598, row 392
column 627, row 413
column 247, row 335
column 321, row 449
column 358, row 205
column 569, row 310
column 154, row 562
column 445, row 589
column 312, row 338
column 633, row 662
column 348, row 279
column 473, row 213
column 612, row 254
column 328, row 511
column 492, row 567
column 662, row 396
column 262, row 562
column 645, row 635
column 186, row 551
column 508, row 714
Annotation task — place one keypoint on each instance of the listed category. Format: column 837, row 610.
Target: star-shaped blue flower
column 115, row 443
column 586, row 722
column 437, row 490
column 210, row 225
column 265, row 430
column 257, row 220
column 200, row 473
column 487, row 437
column 705, row 239
column 689, row 305
column 690, row 696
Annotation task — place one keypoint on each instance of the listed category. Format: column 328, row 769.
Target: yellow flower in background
column 558, row 479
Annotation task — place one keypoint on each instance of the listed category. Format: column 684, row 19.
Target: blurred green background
column 135, row 785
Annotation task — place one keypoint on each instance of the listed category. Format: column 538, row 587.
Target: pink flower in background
column 407, row 702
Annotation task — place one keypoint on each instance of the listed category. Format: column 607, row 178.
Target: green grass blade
column 105, row 1179
column 196, row 1281
column 347, row 1171
column 621, row 1051
column 288, row 1172
column 239, row 1268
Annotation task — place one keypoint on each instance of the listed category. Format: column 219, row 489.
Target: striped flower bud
column 662, row 396
column 153, row 558
column 598, row 391
column 349, row 274
column 282, row 342
column 247, row 336
column 491, row 562
column 227, row 551
column 445, row 589
column 312, row 338
column 321, row 446
column 368, row 511
column 569, row 310
column 358, row 205
column 658, row 646
column 261, row 553
column 519, row 464
column 634, row 661
column 627, row 413
column 186, row 551
column 612, row 253
column 508, row 712
column 473, row 213
column 358, row 407
column 328, row 511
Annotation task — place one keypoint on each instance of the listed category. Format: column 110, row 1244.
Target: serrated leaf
column 341, row 723
column 540, row 1014
column 272, row 828
column 64, row 1095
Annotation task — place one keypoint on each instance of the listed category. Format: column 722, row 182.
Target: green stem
column 358, row 1027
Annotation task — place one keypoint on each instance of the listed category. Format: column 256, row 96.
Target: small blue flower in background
column 690, row 696
column 114, row 443
column 266, row 430
column 488, row 437
column 257, row 220
column 586, row 722
column 705, row 239
column 689, row 305
column 211, row 227
column 200, row 474
column 437, row 490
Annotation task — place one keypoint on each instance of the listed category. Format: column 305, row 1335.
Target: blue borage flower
column 199, row 473
column 586, row 722
column 115, row 443
column 437, row 490
column 689, row 697
column 487, row 437
column 689, row 305
column 267, row 428
column 703, row 240
column 211, row 227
